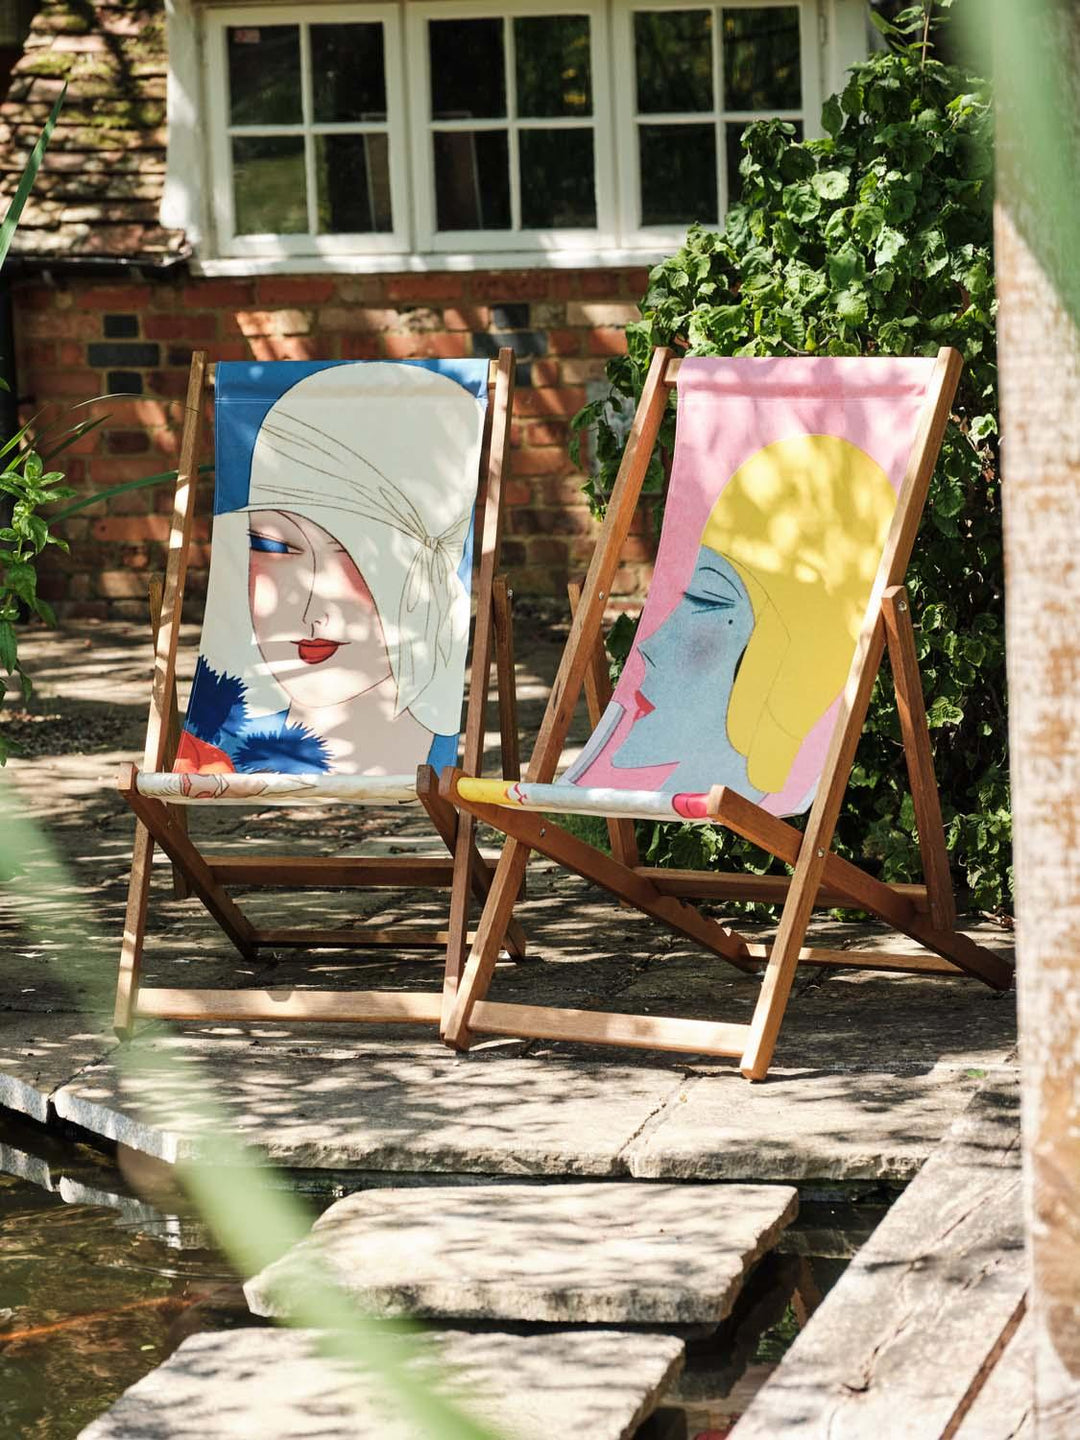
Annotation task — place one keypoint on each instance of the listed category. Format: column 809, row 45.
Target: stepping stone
column 600, row 1253
column 272, row 1384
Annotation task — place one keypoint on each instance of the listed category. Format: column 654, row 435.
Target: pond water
column 98, row 1286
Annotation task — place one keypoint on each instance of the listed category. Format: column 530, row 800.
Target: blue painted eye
column 268, row 546
column 708, row 602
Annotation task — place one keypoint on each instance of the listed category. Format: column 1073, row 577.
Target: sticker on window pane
column 468, row 76
column 553, row 65
column 678, row 174
column 269, row 186
column 264, row 75
column 733, row 133
column 558, row 188
column 674, row 61
column 472, row 180
column 348, row 76
column 761, row 58
column 352, row 180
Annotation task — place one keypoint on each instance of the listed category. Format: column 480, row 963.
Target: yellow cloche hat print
column 804, row 522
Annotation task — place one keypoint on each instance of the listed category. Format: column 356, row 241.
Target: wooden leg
column 177, row 813
column 911, row 707
column 182, row 852
column 510, row 751
column 480, row 965
column 127, row 982
column 445, row 819
column 597, row 695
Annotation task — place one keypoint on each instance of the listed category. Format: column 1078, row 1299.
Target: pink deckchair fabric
column 786, row 471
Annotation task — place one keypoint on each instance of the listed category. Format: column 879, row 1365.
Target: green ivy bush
column 873, row 241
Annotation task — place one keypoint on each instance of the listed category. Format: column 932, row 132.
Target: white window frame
column 218, row 22
column 205, row 207
column 669, row 237
column 434, row 241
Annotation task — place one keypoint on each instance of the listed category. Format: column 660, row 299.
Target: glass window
column 511, row 107
column 321, row 89
column 688, row 155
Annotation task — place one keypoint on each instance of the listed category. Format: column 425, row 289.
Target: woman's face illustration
column 690, row 665
column 315, row 622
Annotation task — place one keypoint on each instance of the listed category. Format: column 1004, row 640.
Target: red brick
column 546, row 550
column 637, row 282
column 597, row 284
column 124, row 298
column 545, row 402
column 295, row 289
column 517, row 492
column 546, row 432
column 71, row 352
column 203, row 294
column 132, row 528
column 121, row 585
column 200, row 325
column 37, row 352
column 65, row 385
column 497, row 287
column 549, row 460
column 267, row 322
column 286, row 347
column 607, row 342
column 61, row 325
column 357, row 317
column 360, row 347
column 412, row 289
column 170, row 383
column 513, row 554
column 565, row 284
column 575, row 522
column 87, row 610
column 127, row 442
column 467, row 317
column 636, row 547
column 443, row 346
column 564, row 342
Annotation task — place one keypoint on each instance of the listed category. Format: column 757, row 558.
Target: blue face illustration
column 690, row 667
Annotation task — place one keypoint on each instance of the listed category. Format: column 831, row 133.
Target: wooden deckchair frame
column 924, row 912
column 209, row 877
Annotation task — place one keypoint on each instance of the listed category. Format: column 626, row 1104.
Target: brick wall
column 77, row 340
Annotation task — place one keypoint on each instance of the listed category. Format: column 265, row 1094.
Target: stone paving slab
column 802, row 1124
column 273, row 1384
column 335, row 1099
column 592, row 1252
column 39, row 1053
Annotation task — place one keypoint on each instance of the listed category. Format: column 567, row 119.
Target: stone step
column 273, row 1384
column 602, row 1253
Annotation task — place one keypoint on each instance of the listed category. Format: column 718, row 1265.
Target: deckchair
column 332, row 658
column 795, row 495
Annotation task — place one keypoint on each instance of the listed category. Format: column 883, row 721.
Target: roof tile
column 100, row 185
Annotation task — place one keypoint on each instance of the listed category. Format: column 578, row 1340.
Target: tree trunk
column 1040, row 371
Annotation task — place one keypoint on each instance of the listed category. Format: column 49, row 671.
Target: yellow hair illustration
column 803, row 521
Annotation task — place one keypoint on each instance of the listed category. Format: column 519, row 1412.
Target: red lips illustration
column 644, row 706
column 314, row 652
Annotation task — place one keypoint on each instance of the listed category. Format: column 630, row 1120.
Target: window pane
column 353, row 184
column 553, row 65
column 269, row 187
column 557, row 178
column 472, row 180
column 264, row 75
column 733, row 132
column 468, row 77
column 347, row 72
column 761, row 59
column 674, row 61
column 678, row 174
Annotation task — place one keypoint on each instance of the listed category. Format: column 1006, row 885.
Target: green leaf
column 851, row 307
column 832, row 184
column 832, row 117
column 802, row 203
column 8, row 646
column 845, row 266
column 29, row 175
column 889, row 244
